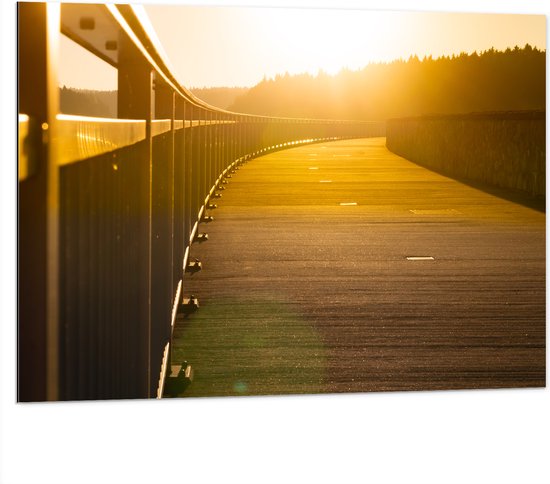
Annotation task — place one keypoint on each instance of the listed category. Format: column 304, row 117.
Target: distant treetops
column 509, row 80
column 88, row 102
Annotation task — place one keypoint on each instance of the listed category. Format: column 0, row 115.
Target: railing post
column 246, row 133
column 240, row 135
column 179, row 190
column 38, row 345
column 234, row 135
column 188, row 174
column 245, row 136
column 220, row 156
column 208, row 158
column 165, row 108
column 135, row 101
column 200, row 163
column 219, row 145
column 196, row 157
column 162, row 262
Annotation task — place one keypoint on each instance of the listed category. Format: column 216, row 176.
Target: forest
column 86, row 102
column 221, row 97
column 509, row 80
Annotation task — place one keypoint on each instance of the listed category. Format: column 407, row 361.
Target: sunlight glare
column 330, row 40
column 236, row 46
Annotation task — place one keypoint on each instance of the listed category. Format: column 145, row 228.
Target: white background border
column 425, row 437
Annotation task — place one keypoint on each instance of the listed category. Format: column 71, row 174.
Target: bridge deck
column 301, row 294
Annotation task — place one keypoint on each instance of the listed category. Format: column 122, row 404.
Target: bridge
column 328, row 262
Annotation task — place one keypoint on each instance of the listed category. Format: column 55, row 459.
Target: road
column 341, row 267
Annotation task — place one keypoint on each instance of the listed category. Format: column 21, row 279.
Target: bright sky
column 231, row 46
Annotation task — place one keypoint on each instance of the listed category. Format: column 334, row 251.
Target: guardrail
column 108, row 208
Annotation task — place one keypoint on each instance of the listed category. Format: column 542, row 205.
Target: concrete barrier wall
column 505, row 150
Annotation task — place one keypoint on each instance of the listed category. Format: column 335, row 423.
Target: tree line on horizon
column 221, row 97
column 90, row 102
column 509, row 80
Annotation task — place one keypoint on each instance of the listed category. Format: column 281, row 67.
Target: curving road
column 341, row 267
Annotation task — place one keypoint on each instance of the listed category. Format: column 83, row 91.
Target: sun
column 329, row 39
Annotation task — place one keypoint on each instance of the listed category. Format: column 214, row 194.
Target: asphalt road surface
column 341, row 267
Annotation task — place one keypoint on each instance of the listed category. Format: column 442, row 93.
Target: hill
column 508, row 80
column 85, row 102
column 221, row 97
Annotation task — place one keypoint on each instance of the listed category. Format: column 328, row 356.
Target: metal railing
column 108, row 208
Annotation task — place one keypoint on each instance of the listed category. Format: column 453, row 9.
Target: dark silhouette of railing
column 108, row 208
